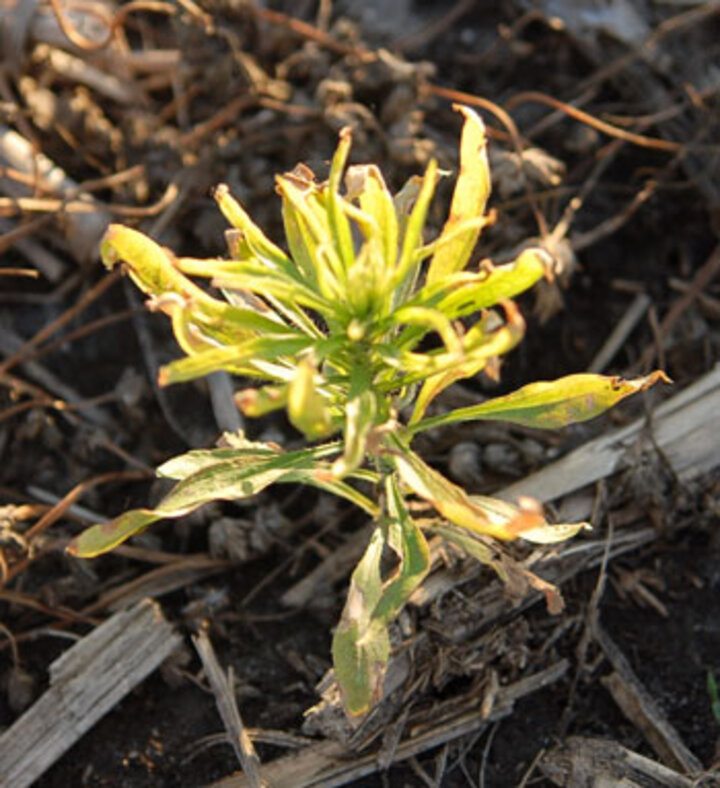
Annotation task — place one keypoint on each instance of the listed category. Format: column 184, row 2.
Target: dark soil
column 661, row 604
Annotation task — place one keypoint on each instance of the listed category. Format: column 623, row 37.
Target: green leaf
column 712, row 689
column 309, row 234
column 481, row 345
column 256, row 402
column 253, row 236
column 491, row 286
column 378, row 223
column 250, row 275
column 450, row 500
column 150, row 265
column 549, row 405
column 470, row 197
column 239, row 449
column 429, row 320
column 219, row 475
column 375, row 200
column 307, row 407
column 325, row 481
column 238, row 359
column 408, row 542
column 360, row 415
column 361, row 644
column 338, row 221
column 412, row 237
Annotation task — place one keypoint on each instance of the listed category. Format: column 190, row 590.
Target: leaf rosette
column 354, row 328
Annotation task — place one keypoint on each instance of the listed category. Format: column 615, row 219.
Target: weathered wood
column 86, row 682
column 223, row 688
column 329, row 764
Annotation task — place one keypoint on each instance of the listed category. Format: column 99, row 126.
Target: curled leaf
column 360, row 416
column 477, row 513
column 255, row 402
column 470, row 197
column 150, row 266
column 307, row 408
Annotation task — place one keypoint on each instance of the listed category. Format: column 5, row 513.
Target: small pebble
column 502, row 457
column 464, row 463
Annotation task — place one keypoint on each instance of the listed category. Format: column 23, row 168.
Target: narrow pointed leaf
column 501, row 282
column 254, row 237
column 412, row 238
column 218, row 475
column 549, row 405
column 408, row 542
column 236, row 359
column 252, row 277
column 239, row 449
column 309, row 234
column 480, row 514
column 375, row 200
column 339, row 224
column 472, row 191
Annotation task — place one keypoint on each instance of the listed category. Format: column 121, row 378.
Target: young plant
column 354, row 331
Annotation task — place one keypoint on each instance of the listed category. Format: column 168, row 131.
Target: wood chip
column 86, row 682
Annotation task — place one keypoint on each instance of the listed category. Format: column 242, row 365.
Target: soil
column 256, row 88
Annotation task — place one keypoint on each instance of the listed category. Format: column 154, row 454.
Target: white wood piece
column 86, row 682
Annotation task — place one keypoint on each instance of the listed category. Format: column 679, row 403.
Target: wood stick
column 224, row 691
column 82, row 230
column 328, row 764
column 620, row 333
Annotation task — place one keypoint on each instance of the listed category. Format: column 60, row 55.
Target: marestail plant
column 354, row 331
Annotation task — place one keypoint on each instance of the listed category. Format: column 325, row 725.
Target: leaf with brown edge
column 550, row 405
column 480, row 514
